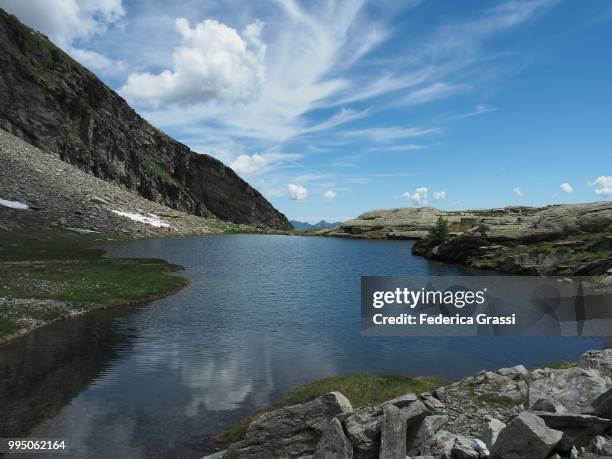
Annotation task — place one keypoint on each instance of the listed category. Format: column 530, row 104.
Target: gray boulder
column 393, row 434
column 575, row 388
column 425, row 430
column 363, row 427
column 431, row 402
column 600, row 360
column 516, row 372
column 578, row 429
column 602, row 406
column 469, row 448
column 600, row 445
column 494, row 427
column 289, row 432
column 548, row 405
column 333, row 443
column 449, row 445
column 526, row 432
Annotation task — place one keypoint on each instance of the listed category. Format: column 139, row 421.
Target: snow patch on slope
column 149, row 219
column 13, row 204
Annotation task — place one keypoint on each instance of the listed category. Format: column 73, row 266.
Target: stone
column 99, row 200
column 426, row 430
column 602, row 405
column 526, row 432
column 334, row 444
column 217, row 455
column 574, row 388
column 516, row 372
column 431, row 402
column 600, row 360
column 363, row 426
column 393, row 433
column 600, row 445
column 292, row 431
column 401, row 401
column 548, row 405
column 440, row 445
column 577, row 429
column 469, row 448
column 494, row 427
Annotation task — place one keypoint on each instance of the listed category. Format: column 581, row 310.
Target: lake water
column 262, row 315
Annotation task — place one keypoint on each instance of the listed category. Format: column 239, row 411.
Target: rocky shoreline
column 509, row 413
column 566, row 240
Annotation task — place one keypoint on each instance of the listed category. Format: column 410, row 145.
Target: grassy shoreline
column 49, row 277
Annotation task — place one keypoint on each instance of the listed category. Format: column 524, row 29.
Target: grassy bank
column 51, row 277
column 360, row 389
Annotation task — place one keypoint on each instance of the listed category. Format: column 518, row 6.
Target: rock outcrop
column 504, row 225
column 54, row 103
column 486, row 415
column 565, row 239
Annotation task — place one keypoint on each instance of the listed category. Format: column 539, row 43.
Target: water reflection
column 40, row 373
column 262, row 315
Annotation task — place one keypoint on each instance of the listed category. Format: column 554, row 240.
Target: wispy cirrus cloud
column 389, row 134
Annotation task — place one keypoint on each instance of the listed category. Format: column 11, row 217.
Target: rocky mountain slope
column 509, row 413
column 54, row 103
column 39, row 192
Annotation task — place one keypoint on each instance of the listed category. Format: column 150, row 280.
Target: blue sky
column 331, row 109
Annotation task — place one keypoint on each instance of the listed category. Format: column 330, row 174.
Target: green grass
column 562, row 365
column 161, row 172
column 7, row 326
column 585, row 255
column 48, row 278
column 360, row 389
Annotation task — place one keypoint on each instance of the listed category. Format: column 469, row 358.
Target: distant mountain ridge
column 305, row 225
column 54, row 103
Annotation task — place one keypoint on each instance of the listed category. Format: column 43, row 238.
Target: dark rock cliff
column 54, row 103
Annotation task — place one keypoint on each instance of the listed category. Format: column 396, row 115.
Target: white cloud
column 602, row 185
column 419, row 197
column 97, row 61
column 330, row 194
column 398, row 148
column 297, row 192
column 67, row 21
column 517, row 191
column 259, row 163
column 566, row 187
column 431, row 92
column 214, row 62
column 480, row 109
column 390, row 134
column 341, row 117
column 439, row 195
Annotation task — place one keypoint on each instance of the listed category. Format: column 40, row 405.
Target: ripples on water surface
column 262, row 315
